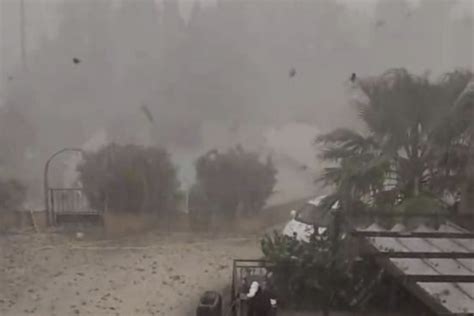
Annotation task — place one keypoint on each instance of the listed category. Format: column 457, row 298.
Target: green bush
column 235, row 181
column 307, row 275
column 129, row 178
column 12, row 195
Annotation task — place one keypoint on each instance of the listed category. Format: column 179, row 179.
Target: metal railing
column 244, row 272
column 69, row 201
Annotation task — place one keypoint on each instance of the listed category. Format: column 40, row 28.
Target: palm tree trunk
column 464, row 204
column 416, row 186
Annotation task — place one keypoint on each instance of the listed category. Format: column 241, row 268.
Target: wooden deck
column 289, row 313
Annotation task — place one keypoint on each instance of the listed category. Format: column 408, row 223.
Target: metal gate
column 65, row 201
column 69, row 201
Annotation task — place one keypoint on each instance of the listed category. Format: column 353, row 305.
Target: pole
column 23, row 33
column 337, row 230
column 187, row 201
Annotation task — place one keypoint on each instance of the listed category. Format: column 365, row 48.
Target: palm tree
column 455, row 139
column 411, row 124
column 360, row 167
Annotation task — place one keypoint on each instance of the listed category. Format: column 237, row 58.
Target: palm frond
column 341, row 135
column 335, row 153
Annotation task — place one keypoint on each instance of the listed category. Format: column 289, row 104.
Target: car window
column 309, row 213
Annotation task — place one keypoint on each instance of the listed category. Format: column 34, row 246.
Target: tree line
column 414, row 152
column 140, row 179
column 209, row 67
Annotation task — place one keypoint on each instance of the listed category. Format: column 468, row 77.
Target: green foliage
column 12, row 195
column 235, row 181
column 129, row 178
column 417, row 142
column 310, row 274
column 360, row 169
column 421, row 204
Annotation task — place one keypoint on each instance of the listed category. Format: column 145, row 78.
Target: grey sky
column 42, row 18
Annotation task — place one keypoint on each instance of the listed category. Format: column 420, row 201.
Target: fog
column 211, row 74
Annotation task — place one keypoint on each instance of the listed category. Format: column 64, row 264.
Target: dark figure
column 292, row 72
column 260, row 304
column 353, row 77
column 76, row 60
column 147, row 113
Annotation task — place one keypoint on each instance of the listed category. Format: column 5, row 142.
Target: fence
column 69, row 201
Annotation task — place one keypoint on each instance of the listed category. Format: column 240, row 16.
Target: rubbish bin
column 210, row 304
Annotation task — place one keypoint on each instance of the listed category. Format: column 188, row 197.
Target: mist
column 264, row 74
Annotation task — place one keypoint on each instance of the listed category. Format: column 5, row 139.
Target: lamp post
column 23, row 33
column 46, row 180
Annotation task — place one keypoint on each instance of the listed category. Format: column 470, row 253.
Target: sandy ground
column 52, row 274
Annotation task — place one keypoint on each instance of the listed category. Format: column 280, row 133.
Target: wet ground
column 152, row 274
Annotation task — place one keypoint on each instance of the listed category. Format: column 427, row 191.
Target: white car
column 311, row 215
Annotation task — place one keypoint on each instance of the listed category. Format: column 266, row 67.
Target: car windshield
column 309, row 213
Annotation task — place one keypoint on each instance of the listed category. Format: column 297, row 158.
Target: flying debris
column 353, row 77
column 76, row 60
column 147, row 113
column 292, row 72
column 380, row 23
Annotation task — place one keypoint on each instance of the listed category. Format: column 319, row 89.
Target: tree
column 412, row 124
column 312, row 274
column 129, row 178
column 455, row 165
column 235, row 181
column 360, row 170
column 12, row 195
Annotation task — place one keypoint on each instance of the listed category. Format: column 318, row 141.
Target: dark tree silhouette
column 12, row 195
column 417, row 141
column 130, row 178
column 235, row 182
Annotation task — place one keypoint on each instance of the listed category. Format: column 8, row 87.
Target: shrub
column 310, row 274
column 12, row 195
column 235, row 181
column 129, row 178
